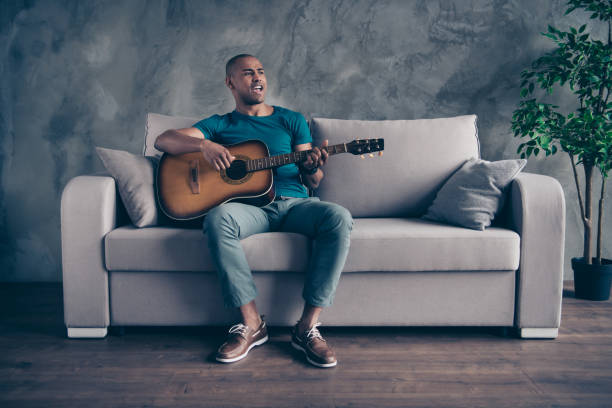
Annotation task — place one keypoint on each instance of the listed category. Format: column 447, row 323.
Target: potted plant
column 583, row 64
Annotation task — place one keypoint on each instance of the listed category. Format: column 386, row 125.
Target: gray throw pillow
column 135, row 177
column 474, row 194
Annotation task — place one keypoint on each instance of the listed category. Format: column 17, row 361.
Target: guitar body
column 188, row 186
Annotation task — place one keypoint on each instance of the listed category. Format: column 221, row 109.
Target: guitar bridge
column 194, row 176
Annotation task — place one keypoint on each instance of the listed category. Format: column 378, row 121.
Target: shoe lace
column 239, row 329
column 314, row 333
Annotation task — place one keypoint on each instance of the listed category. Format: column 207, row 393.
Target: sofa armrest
column 88, row 212
column 538, row 216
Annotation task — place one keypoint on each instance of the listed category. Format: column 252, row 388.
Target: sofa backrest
column 157, row 124
column 419, row 157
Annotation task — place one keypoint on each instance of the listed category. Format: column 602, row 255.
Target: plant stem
column 577, row 180
column 600, row 220
column 605, row 103
column 588, row 208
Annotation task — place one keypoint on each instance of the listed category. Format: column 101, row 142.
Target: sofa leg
column 539, row 333
column 87, row 332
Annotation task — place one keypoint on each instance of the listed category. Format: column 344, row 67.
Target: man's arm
column 316, row 158
column 179, row 141
column 189, row 140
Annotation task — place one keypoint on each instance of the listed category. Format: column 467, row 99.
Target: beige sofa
column 401, row 270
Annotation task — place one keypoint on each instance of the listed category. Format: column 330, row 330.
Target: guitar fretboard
column 288, row 158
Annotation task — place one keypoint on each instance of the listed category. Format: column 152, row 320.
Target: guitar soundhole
column 237, row 170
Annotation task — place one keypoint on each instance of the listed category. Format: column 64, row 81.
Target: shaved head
column 232, row 61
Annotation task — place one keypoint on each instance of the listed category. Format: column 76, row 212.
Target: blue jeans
column 327, row 224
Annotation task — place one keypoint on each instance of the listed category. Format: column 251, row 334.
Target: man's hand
column 317, row 157
column 217, row 155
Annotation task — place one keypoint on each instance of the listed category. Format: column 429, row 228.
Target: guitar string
column 287, row 158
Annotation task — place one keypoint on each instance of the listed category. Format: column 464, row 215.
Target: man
column 328, row 224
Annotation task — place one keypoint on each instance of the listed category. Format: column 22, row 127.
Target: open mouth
column 257, row 89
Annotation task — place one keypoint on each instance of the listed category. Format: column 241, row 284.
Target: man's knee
column 339, row 217
column 219, row 220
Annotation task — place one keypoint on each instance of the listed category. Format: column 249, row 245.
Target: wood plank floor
column 391, row 367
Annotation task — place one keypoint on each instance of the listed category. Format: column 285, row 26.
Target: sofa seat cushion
column 177, row 249
column 377, row 244
column 409, row 244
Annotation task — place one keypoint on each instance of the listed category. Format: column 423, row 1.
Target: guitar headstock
column 364, row 146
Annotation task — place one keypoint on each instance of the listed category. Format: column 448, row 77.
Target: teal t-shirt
column 280, row 131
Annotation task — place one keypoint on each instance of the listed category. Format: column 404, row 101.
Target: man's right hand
column 217, row 155
column 189, row 140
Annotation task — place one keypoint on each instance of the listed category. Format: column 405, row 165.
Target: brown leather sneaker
column 311, row 343
column 240, row 340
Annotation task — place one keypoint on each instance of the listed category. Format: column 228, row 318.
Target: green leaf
column 582, row 27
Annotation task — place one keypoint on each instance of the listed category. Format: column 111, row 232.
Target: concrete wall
column 76, row 74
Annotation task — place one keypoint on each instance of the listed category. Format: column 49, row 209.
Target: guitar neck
column 288, row 158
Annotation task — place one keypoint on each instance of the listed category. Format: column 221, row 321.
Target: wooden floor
column 393, row 367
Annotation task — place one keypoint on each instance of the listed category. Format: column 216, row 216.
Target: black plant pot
column 592, row 282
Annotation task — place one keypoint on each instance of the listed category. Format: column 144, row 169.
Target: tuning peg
column 362, row 156
column 380, row 153
column 371, row 154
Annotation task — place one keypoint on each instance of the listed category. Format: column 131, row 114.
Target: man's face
column 247, row 81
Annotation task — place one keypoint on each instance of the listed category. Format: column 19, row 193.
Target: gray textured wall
column 76, row 74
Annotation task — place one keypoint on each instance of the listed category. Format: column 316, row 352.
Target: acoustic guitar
column 188, row 186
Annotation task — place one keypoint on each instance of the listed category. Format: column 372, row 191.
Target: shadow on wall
column 78, row 74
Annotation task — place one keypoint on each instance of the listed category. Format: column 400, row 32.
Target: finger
column 324, row 153
column 315, row 159
column 225, row 159
column 213, row 162
column 316, row 152
column 323, row 159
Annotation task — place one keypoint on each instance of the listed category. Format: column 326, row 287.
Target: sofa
column 402, row 270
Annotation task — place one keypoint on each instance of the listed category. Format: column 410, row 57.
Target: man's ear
column 228, row 83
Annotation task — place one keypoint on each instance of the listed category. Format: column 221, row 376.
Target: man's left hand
column 317, row 156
